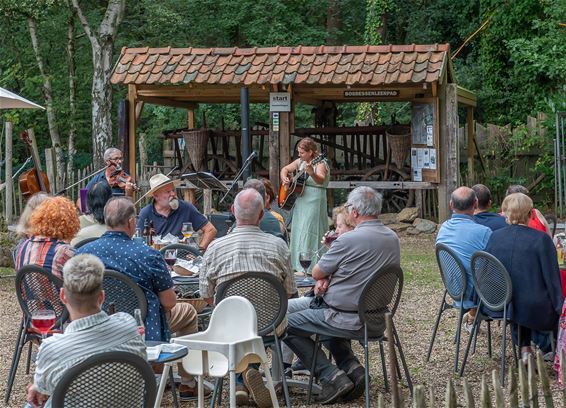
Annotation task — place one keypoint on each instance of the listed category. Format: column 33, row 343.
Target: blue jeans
column 303, row 324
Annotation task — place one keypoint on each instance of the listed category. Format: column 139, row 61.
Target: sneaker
column 299, row 368
column 187, row 393
column 242, row 396
column 356, row 374
column 338, row 386
column 289, row 373
column 259, row 392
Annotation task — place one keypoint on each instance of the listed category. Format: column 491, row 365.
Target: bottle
column 146, row 232
column 560, row 251
column 139, row 321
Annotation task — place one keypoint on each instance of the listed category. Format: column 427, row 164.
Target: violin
column 33, row 180
column 117, row 177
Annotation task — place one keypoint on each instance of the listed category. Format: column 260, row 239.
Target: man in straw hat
column 168, row 213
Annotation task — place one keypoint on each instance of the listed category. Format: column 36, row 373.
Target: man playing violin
column 117, row 179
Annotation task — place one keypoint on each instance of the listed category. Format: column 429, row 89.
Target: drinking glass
column 170, row 257
column 187, row 231
column 305, row 259
column 43, row 320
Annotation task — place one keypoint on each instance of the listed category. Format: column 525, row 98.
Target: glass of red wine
column 43, row 320
column 305, row 259
column 170, row 257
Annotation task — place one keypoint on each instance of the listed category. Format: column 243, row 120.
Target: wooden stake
column 533, row 382
column 419, row 397
column 468, row 394
column 485, row 398
column 450, row 399
column 545, row 383
column 497, row 390
column 431, row 398
column 523, row 385
column 512, row 384
column 392, row 360
column 380, row 401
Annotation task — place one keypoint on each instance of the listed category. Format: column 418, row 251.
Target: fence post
column 533, row 382
column 450, row 401
column 9, row 181
column 485, row 398
column 431, row 398
column 419, row 397
column 380, row 401
column 497, row 390
column 523, row 385
column 546, row 392
column 392, row 360
column 513, row 396
column 468, row 394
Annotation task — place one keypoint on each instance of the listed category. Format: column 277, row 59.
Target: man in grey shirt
column 341, row 275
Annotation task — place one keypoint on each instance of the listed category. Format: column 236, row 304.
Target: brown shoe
column 242, row 396
column 187, row 393
column 254, row 383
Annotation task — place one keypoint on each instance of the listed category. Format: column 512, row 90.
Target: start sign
column 279, row 102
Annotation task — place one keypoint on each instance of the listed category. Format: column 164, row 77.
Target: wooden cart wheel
column 393, row 200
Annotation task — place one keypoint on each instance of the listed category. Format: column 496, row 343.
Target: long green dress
column 310, row 219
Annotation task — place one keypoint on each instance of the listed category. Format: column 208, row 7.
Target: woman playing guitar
column 310, row 218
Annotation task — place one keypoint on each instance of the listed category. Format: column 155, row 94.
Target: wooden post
column 284, row 138
column 544, row 382
column 132, row 125
column 143, row 156
column 512, row 382
column 532, row 377
column 468, row 394
column 523, row 385
column 392, row 360
column 51, row 169
column 189, row 193
column 9, row 181
column 207, row 202
column 419, row 397
column 274, row 164
column 485, row 398
column 497, row 390
column 470, row 150
column 449, row 162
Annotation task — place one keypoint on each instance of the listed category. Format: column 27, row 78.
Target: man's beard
column 174, row 203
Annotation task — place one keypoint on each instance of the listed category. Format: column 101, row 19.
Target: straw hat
column 158, row 181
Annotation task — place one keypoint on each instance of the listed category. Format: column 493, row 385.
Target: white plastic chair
column 229, row 345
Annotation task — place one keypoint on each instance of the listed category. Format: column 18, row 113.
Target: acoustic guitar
column 288, row 194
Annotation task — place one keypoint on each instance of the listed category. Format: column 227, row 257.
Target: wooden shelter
column 419, row 74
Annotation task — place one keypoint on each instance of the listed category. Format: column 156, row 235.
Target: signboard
column 279, row 102
column 372, row 93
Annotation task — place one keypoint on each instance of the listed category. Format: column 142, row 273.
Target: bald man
column 463, row 235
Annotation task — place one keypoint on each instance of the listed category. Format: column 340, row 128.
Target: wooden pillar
column 189, row 193
column 9, row 181
column 449, row 176
column 274, row 163
column 284, row 138
column 132, row 125
column 470, row 149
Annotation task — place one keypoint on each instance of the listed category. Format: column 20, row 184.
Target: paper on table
column 153, row 352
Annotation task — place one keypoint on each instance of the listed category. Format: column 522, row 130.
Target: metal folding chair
column 380, row 295
column 36, row 289
column 453, row 276
column 493, row 286
column 269, row 299
column 113, row 379
column 122, row 294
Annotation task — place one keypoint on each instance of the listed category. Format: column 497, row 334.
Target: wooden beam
column 449, row 176
column 470, row 148
column 384, row 185
column 169, row 102
column 139, row 109
column 132, row 125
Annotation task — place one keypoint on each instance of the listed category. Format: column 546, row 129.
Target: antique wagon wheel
column 393, row 200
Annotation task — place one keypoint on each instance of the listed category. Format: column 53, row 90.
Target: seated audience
column 97, row 197
column 52, row 226
column 482, row 215
column 168, row 213
column 530, row 258
column 269, row 199
column 145, row 266
column 462, row 234
column 536, row 219
column 340, row 276
column 23, row 227
column 91, row 330
column 268, row 221
column 247, row 249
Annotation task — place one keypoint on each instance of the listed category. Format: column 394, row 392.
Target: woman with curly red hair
column 52, row 226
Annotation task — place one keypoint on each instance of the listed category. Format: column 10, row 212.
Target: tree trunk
column 48, row 94
column 102, row 44
column 333, row 22
column 72, row 92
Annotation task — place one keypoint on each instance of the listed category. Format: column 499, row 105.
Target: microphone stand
column 238, row 175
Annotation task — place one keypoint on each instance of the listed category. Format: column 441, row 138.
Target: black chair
column 85, row 241
column 269, row 298
column 380, row 295
column 184, row 251
column 122, row 294
column 36, row 289
column 453, row 276
column 493, row 286
column 113, row 379
column 222, row 223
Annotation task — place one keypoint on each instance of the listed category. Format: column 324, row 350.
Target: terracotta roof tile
column 364, row 64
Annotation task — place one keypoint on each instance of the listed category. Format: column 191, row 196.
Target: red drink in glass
column 44, row 322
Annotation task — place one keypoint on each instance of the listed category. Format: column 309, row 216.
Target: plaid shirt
column 49, row 253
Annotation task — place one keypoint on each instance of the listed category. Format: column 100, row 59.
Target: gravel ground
column 414, row 319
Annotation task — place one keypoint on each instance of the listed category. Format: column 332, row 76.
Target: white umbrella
column 9, row 100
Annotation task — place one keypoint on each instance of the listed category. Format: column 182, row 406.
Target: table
column 167, row 359
column 302, row 283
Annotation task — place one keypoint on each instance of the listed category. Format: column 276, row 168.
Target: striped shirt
column 49, row 253
column 245, row 249
column 83, row 338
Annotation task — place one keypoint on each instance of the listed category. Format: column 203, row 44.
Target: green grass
column 4, row 271
column 419, row 263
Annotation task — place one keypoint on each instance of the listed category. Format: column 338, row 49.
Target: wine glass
column 305, row 259
column 187, row 231
column 170, row 257
column 43, row 320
